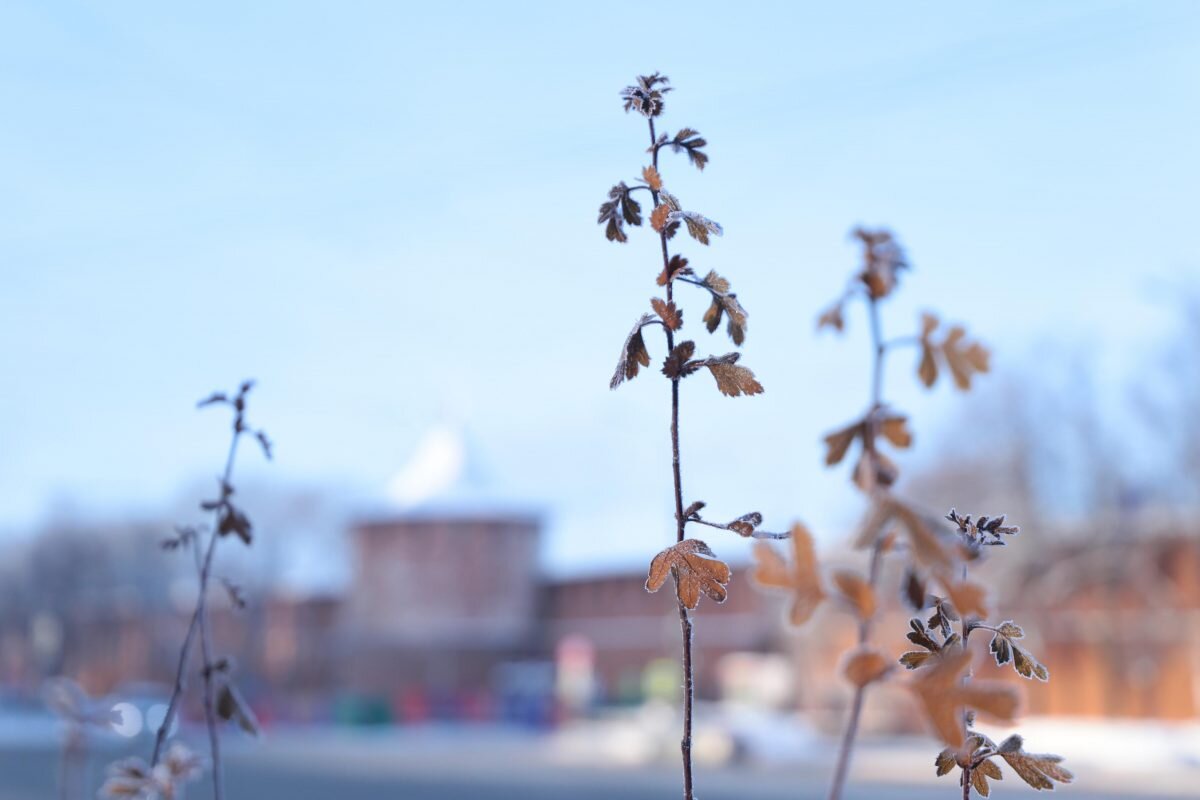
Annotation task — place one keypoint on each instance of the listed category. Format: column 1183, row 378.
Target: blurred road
column 28, row 774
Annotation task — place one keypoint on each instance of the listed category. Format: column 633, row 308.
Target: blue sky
column 387, row 216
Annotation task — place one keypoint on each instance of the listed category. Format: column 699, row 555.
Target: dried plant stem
column 880, row 349
column 210, row 709
column 199, row 624
column 966, row 633
column 850, row 734
column 685, row 622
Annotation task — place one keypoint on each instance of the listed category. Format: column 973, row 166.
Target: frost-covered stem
column 210, row 708
column 685, row 622
column 880, row 348
column 850, row 734
column 199, row 623
column 966, row 633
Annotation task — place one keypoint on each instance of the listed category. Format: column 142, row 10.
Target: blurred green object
column 662, row 680
column 362, row 710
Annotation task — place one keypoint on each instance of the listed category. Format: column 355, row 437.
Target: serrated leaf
column 658, row 217
column 652, row 178
column 677, row 365
column 698, row 226
column 671, row 316
column 732, row 379
column 746, row 524
column 691, row 141
column 1027, row 666
column 678, row 265
column 946, row 761
column 620, row 209
column 801, row 578
column 633, row 354
column 1039, row 770
column 696, row 571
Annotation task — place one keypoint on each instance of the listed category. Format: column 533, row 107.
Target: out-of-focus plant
column 222, row 701
column 80, row 714
column 166, row 780
column 931, row 555
column 689, row 562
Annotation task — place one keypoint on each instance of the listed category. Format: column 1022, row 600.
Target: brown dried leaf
column 832, row 318
column 695, row 569
column 980, row 783
column 691, row 141
column 802, row 578
column 874, row 470
column 946, row 761
column 857, row 592
column 716, row 283
column 915, row 592
column 1039, row 770
column 677, row 364
column 914, row 659
column 618, row 210
column 927, row 370
column 675, row 267
column 926, row 548
column 658, row 217
column 634, row 353
column 732, row 378
column 652, row 178
column 943, row 696
column 1029, row 667
column 712, row 317
column 231, row 706
column 963, row 360
column 969, row 599
column 865, row 665
column 746, row 524
column 671, row 316
column 990, row 768
column 838, row 443
column 894, row 428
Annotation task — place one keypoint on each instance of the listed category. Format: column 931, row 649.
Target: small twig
column 222, row 510
column 850, row 734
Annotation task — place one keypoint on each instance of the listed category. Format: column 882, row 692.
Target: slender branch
column 757, row 534
column 966, row 633
column 210, row 709
column 685, row 622
column 880, row 350
column 199, row 623
column 850, row 734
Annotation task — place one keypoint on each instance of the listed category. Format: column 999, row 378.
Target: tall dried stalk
column 221, row 699
column 690, row 562
column 932, row 556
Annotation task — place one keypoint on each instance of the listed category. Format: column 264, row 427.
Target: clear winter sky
column 386, row 214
